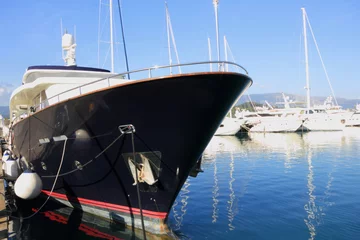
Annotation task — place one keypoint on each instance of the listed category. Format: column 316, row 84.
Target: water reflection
column 295, row 150
column 251, row 184
column 310, row 207
column 183, row 197
column 215, row 195
column 56, row 221
column 232, row 208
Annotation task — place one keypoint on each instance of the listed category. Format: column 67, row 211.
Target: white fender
column 28, row 185
column 11, row 169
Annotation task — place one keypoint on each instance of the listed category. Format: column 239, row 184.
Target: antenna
column 74, row 33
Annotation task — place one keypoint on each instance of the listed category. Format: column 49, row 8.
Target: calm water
column 256, row 186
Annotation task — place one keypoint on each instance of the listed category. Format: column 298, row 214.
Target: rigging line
column 173, row 38
column 300, row 45
column 137, row 187
column 33, row 115
column 116, row 47
column 228, row 47
column 251, row 102
column 107, row 54
column 322, row 62
column 123, row 37
column 53, row 186
column 112, row 165
column 168, row 37
column 154, row 153
column 99, row 34
column 97, row 136
column 90, row 161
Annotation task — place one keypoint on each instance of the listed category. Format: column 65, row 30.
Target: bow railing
column 222, row 66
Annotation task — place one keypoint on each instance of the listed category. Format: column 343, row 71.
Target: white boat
column 277, row 124
column 317, row 120
column 229, row 127
column 274, row 120
column 322, row 121
column 354, row 120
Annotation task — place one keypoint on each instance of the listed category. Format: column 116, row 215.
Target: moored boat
column 94, row 138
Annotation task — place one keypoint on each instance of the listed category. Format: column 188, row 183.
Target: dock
column 5, row 222
column 3, row 211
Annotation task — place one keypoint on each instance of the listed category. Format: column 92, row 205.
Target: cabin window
column 43, row 98
column 40, row 101
column 36, row 102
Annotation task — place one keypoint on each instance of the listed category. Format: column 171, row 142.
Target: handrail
column 149, row 69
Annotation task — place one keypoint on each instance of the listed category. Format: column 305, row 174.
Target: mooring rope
column 88, row 162
column 52, row 189
column 137, row 187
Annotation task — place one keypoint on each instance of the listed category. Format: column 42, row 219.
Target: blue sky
column 263, row 35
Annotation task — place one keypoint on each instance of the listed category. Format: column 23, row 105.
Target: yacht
column 229, row 127
column 115, row 147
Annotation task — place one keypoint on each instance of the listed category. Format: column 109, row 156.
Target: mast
column 209, row 49
column 123, row 38
column 216, row 3
column 307, row 87
column 225, row 50
column 111, row 35
column 168, row 36
column 171, row 35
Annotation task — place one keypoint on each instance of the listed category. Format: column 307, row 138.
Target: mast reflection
column 184, row 196
column 231, row 213
column 215, row 195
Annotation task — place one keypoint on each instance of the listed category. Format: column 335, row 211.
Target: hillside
column 4, row 111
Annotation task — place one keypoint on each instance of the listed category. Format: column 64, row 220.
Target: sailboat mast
column 111, row 35
column 226, row 55
column 209, row 49
column 306, row 62
column 216, row 3
column 168, row 36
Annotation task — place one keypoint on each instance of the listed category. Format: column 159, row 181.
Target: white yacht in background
column 317, row 120
column 283, row 123
column 229, row 127
column 273, row 120
column 354, row 120
column 322, row 121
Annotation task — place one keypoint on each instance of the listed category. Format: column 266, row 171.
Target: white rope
column 52, row 189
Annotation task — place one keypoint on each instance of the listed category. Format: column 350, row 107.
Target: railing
column 221, row 67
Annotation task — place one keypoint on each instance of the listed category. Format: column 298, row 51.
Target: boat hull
column 229, row 127
column 324, row 122
column 174, row 119
column 277, row 124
